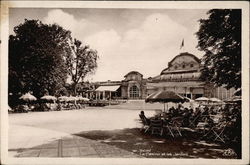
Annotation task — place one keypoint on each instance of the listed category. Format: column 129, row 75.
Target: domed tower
column 133, row 86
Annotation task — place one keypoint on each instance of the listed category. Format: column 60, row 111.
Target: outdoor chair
column 202, row 128
column 220, row 132
column 156, row 127
column 167, row 128
column 195, row 120
column 217, row 132
column 175, row 125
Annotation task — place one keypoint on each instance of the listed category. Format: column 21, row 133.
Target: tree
column 83, row 61
column 36, row 58
column 219, row 37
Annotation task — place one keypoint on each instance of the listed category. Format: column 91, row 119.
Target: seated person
column 175, row 112
column 144, row 119
column 206, row 111
column 24, row 108
column 186, row 117
column 171, row 110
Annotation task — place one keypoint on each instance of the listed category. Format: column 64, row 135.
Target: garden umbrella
column 85, row 99
column 202, row 99
column 234, row 99
column 28, row 97
column 72, row 98
column 82, row 98
column 215, row 100
column 63, row 98
column 78, row 98
column 165, row 97
column 49, row 98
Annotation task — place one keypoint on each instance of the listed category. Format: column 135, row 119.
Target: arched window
column 134, row 92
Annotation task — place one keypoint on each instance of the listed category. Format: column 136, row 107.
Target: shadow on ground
column 151, row 146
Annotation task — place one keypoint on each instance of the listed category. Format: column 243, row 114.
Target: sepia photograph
column 153, row 83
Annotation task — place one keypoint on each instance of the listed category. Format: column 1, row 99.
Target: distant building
column 182, row 75
column 132, row 87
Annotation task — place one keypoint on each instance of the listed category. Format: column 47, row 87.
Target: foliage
column 36, row 58
column 219, row 37
column 82, row 62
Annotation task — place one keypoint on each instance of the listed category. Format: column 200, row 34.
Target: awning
column 108, row 88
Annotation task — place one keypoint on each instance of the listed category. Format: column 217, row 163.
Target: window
column 183, row 66
column 191, row 65
column 175, row 67
column 134, row 92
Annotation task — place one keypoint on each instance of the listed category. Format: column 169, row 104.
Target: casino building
column 182, row 75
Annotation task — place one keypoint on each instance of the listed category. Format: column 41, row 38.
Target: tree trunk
column 74, row 89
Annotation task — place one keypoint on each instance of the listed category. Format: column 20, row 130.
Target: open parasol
column 202, row 99
column 165, row 97
column 28, row 97
column 215, row 100
column 63, row 98
column 49, row 98
column 234, row 99
column 72, row 98
column 82, row 98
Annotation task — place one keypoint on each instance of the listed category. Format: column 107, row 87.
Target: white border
column 5, row 5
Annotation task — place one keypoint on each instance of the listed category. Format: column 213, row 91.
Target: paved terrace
column 101, row 132
column 50, row 134
column 74, row 147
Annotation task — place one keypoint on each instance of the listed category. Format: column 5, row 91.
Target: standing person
column 186, row 117
column 59, row 106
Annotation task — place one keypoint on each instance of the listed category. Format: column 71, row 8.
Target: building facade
column 132, row 87
column 182, row 76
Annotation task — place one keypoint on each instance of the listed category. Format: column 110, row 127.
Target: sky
column 142, row 40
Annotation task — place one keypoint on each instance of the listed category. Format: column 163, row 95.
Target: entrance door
column 134, row 92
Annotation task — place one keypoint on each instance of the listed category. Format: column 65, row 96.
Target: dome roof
column 133, row 72
column 184, row 62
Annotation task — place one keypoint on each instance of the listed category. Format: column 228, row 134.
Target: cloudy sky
column 143, row 40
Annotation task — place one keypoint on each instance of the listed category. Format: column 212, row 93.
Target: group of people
column 226, row 118
column 190, row 117
column 45, row 106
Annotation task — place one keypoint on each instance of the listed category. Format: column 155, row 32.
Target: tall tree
column 82, row 62
column 219, row 37
column 37, row 58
